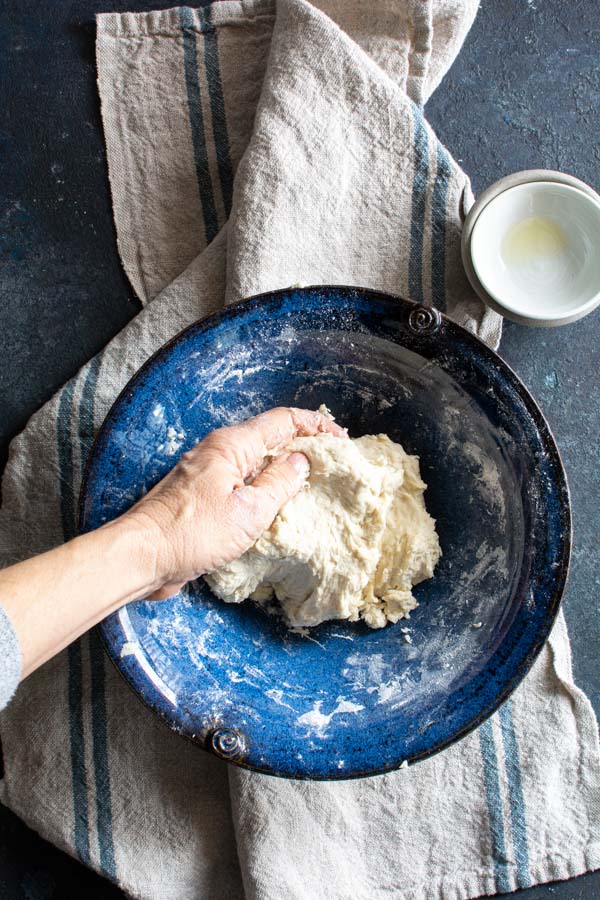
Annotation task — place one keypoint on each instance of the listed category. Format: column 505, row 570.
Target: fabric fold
column 371, row 197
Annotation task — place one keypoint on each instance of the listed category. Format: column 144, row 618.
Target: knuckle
column 214, row 437
column 281, row 480
column 244, row 501
column 188, row 458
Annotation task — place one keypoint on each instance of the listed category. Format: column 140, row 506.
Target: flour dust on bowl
column 342, row 700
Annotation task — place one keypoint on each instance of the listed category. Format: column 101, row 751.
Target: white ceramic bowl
column 535, row 248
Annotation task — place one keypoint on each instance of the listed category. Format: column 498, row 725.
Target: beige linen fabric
column 252, row 145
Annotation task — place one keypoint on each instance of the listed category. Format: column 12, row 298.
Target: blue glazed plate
column 341, row 700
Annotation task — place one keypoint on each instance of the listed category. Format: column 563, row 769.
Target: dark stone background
column 524, row 93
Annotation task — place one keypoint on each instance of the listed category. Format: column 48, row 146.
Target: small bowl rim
column 558, row 318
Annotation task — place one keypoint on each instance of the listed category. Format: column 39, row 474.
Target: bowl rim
column 561, row 570
column 536, row 187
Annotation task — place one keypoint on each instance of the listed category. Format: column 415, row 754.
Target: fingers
column 257, row 504
column 269, row 432
column 309, row 422
column 276, row 428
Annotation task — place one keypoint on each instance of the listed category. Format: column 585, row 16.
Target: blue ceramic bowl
column 341, row 700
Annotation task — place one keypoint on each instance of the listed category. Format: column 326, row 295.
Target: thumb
column 278, row 482
column 166, row 591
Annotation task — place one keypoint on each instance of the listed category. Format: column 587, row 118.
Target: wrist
column 131, row 545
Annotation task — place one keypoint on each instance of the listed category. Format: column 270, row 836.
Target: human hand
column 203, row 514
column 199, row 517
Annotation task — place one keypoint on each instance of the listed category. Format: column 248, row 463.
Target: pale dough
column 351, row 544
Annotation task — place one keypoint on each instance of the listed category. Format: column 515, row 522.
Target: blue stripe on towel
column 494, row 805
column 438, row 229
column 86, row 410
column 190, row 63
column 217, row 105
column 77, row 744
column 98, row 699
column 104, row 821
column 419, row 193
column 81, row 837
column 517, row 801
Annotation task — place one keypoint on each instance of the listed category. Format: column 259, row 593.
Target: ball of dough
column 351, row 544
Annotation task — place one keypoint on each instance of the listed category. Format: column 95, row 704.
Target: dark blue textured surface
column 346, row 700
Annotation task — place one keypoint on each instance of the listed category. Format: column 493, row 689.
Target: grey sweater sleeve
column 10, row 659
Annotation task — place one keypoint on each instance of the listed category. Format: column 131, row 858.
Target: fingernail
column 300, row 463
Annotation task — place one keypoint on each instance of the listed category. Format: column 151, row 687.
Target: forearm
column 54, row 598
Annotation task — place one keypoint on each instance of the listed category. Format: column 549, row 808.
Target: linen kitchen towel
column 253, row 145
